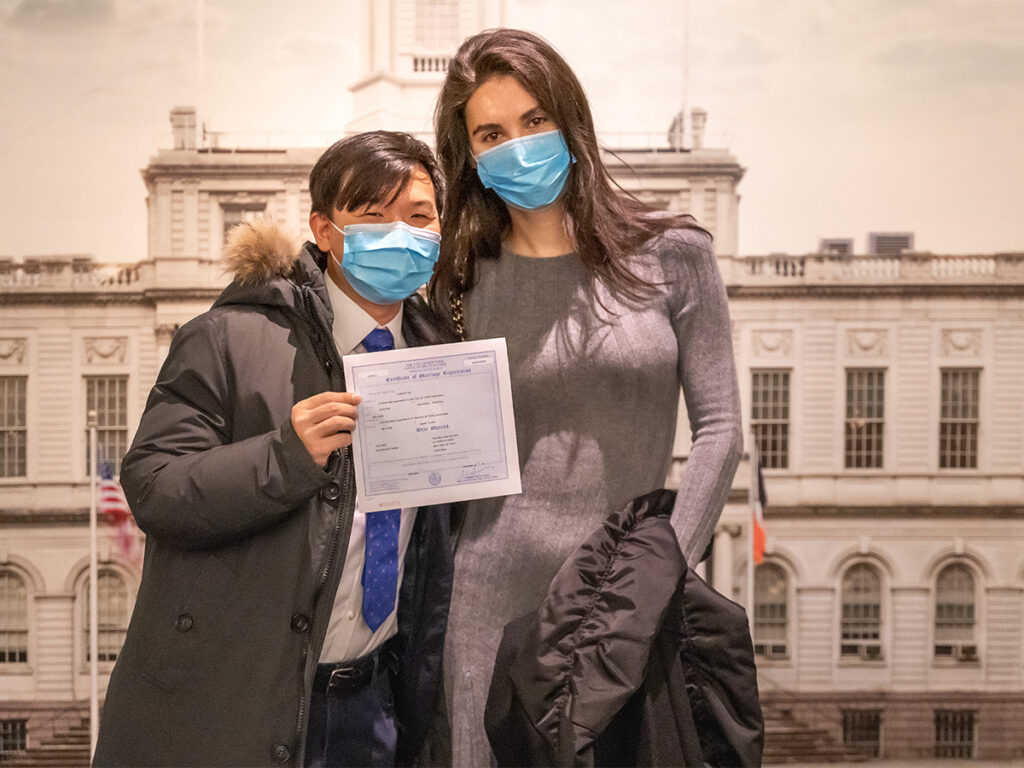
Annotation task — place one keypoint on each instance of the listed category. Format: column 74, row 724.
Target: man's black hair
column 370, row 168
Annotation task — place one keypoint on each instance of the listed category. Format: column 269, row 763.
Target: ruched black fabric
column 632, row 659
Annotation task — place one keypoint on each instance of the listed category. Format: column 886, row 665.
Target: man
column 257, row 639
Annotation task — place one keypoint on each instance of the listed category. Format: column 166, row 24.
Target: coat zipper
column 330, row 360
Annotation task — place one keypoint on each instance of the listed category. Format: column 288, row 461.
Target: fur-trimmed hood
column 258, row 251
column 271, row 267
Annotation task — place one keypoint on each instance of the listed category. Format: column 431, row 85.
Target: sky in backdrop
column 850, row 116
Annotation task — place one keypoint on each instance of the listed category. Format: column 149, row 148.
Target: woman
column 607, row 308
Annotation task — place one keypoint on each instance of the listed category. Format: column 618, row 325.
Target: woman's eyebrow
column 532, row 113
column 486, row 128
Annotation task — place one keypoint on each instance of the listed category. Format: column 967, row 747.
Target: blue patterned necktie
column 379, row 340
column 380, row 569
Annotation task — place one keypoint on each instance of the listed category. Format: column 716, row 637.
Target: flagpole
column 752, row 492
column 94, row 698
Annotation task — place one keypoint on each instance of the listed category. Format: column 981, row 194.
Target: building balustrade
column 979, row 265
column 907, row 268
column 75, row 273
column 430, row 64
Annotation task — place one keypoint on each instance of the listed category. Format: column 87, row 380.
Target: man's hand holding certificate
column 435, row 425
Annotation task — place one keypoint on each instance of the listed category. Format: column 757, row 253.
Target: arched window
column 954, row 614
column 861, row 630
column 13, row 619
column 112, row 599
column 770, row 612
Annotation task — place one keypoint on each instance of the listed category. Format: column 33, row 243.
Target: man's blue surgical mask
column 385, row 263
column 528, row 172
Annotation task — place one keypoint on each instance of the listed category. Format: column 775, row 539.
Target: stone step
column 67, row 738
column 36, row 758
column 789, row 740
column 68, row 747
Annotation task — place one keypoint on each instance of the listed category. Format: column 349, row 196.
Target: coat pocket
column 178, row 631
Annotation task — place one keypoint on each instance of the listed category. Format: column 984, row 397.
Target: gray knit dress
column 595, row 390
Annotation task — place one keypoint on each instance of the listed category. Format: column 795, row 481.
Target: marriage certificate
column 435, row 425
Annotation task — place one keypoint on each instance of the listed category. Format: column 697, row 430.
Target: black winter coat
column 631, row 660
column 246, row 534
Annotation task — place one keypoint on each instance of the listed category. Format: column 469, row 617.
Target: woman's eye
column 489, row 137
column 538, row 120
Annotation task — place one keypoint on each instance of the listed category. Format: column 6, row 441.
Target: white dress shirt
column 348, row 636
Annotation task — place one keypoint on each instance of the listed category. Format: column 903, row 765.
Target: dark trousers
column 353, row 728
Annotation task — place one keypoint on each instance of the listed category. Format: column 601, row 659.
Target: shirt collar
column 352, row 323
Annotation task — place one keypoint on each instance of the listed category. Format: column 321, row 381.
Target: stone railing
column 430, row 64
column 945, row 266
column 67, row 273
column 81, row 274
column 907, row 268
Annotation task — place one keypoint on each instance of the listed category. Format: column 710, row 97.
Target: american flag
column 112, row 501
column 116, row 511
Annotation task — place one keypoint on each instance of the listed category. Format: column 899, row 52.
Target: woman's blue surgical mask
column 528, row 172
column 385, row 263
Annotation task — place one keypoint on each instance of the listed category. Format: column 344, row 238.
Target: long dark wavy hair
column 605, row 224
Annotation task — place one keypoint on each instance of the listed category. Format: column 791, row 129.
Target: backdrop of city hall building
column 881, row 387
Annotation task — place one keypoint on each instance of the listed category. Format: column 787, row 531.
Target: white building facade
column 884, row 397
